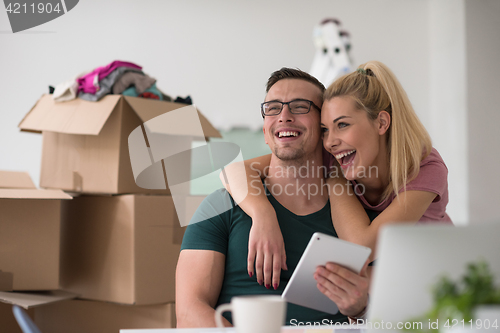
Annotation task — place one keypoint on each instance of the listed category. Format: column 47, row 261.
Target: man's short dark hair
column 293, row 73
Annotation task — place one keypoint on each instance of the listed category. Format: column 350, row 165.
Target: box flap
column 77, row 116
column 148, row 109
column 33, row 194
column 16, row 179
column 31, row 299
column 208, row 129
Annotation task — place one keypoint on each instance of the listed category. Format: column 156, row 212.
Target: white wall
column 483, row 119
column 221, row 52
column 448, row 98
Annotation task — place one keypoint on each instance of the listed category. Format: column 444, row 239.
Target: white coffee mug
column 256, row 313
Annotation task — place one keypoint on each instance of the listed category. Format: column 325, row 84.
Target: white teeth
column 339, row 156
column 282, row 134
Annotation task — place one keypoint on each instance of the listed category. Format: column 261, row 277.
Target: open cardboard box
column 85, row 143
column 7, row 320
column 80, row 316
column 28, row 301
column 30, row 221
column 56, row 311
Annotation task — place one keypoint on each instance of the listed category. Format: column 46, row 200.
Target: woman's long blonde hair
column 375, row 88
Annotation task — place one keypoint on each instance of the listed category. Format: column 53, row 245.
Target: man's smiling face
column 293, row 136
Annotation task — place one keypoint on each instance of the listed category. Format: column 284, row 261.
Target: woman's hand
column 344, row 287
column 267, row 250
column 265, row 245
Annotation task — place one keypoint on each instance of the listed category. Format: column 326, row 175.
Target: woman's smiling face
column 352, row 137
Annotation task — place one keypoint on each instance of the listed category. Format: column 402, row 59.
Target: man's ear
column 265, row 139
column 384, row 122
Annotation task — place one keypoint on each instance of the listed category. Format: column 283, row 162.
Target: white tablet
column 302, row 290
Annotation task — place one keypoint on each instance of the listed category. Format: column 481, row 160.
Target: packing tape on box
column 161, row 155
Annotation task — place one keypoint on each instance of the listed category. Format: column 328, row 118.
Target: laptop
column 411, row 259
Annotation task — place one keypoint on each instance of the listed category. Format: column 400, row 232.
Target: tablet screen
column 302, row 289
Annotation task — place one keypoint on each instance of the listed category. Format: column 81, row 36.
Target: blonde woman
column 387, row 163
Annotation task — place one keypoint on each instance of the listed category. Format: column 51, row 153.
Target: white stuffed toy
column 332, row 52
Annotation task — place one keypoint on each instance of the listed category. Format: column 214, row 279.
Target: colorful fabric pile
column 118, row 77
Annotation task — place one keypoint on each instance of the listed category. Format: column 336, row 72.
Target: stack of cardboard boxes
column 114, row 245
column 30, row 225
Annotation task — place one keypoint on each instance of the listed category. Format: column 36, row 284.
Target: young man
column 212, row 263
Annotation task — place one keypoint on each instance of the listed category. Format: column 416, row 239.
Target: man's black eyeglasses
column 297, row 106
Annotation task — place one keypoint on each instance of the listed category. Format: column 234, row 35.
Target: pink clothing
column 89, row 83
column 432, row 177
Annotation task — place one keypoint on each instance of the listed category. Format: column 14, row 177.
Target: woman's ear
column 384, row 122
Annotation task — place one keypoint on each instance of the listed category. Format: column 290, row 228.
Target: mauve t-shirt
column 432, row 177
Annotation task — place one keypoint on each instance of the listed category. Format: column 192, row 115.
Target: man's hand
column 267, row 250
column 344, row 287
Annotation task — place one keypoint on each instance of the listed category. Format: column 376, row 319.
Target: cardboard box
column 121, row 249
column 6, row 281
column 85, row 147
column 30, row 221
column 28, row 300
column 16, row 179
column 8, row 323
column 78, row 316
column 53, row 311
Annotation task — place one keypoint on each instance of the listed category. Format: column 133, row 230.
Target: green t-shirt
column 228, row 233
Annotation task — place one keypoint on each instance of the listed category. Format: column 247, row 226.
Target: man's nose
column 285, row 115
